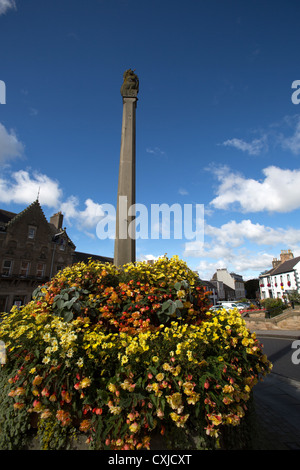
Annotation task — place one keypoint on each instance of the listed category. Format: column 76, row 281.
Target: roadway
column 284, row 357
column 277, row 397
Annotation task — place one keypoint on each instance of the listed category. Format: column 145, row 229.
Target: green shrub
column 273, row 306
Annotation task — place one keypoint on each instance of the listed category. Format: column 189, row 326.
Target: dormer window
column 62, row 244
column 31, row 232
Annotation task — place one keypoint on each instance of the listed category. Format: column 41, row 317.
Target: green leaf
column 166, row 305
column 68, row 316
column 70, row 303
column 154, row 400
column 172, row 309
column 59, row 303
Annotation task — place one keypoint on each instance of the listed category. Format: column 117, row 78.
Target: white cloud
column 147, row 258
column 242, row 247
column 69, row 208
column 24, row 189
column 276, row 135
column 292, row 143
column 248, row 264
column 155, row 151
column 255, row 147
column 245, row 263
column 10, row 146
column 234, row 234
column 84, row 219
column 279, row 191
column 6, row 5
column 219, row 241
column 183, row 192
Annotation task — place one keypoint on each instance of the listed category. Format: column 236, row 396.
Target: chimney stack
column 276, row 262
column 285, row 255
column 57, row 220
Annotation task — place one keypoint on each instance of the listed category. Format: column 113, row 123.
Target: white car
column 215, row 308
column 231, row 305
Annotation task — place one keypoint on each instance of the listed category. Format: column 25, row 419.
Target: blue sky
column 216, row 124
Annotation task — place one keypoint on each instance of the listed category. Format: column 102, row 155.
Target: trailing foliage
column 123, row 355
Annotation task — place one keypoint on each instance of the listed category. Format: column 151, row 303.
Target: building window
column 62, row 244
column 18, row 301
column 40, row 270
column 43, row 254
column 7, row 267
column 24, row 268
column 31, row 232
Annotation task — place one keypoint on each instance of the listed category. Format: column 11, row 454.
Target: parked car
column 225, row 306
column 244, row 305
column 215, row 308
column 230, row 305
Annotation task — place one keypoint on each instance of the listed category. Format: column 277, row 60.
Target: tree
column 251, row 287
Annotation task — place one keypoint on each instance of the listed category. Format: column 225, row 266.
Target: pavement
column 277, row 404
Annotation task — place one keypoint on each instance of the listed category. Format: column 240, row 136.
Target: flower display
column 120, row 355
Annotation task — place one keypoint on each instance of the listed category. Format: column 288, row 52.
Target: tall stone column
column 125, row 216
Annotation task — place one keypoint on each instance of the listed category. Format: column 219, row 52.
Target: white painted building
column 282, row 278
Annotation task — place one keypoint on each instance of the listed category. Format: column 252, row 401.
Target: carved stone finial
column 130, row 86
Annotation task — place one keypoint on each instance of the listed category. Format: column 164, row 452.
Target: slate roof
column 208, row 284
column 6, row 216
column 79, row 256
column 284, row 267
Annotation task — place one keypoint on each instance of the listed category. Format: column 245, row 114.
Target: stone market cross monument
column 125, row 217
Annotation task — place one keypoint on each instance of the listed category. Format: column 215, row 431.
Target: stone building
column 233, row 286
column 32, row 250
